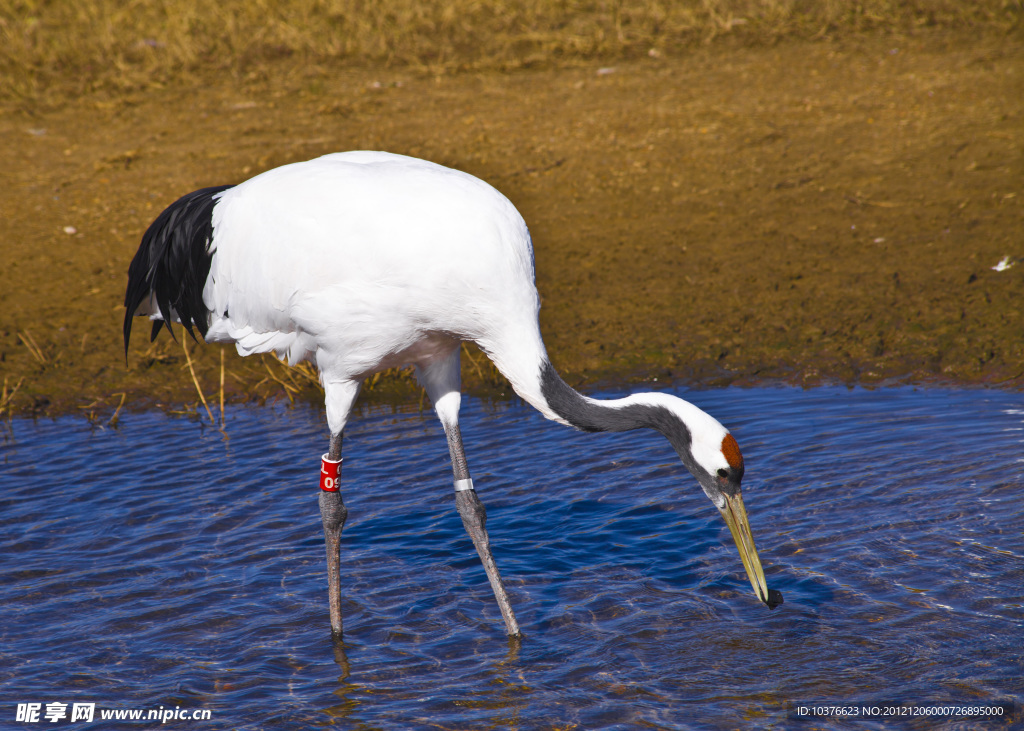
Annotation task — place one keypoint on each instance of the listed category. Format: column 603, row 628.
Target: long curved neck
column 648, row 410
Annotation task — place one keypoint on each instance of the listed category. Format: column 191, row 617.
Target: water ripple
column 160, row 565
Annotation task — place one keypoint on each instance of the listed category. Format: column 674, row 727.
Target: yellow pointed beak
column 735, row 515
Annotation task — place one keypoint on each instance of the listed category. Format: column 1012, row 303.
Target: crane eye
column 723, row 474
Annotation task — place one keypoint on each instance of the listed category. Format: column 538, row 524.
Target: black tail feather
column 173, row 262
column 157, row 324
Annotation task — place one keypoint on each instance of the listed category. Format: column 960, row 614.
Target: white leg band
column 463, row 485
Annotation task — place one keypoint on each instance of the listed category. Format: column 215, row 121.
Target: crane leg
column 333, row 513
column 474, row 518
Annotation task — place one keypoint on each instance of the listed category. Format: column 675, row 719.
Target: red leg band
column 329, row 471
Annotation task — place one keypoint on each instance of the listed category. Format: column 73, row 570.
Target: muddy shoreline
column 809, row 213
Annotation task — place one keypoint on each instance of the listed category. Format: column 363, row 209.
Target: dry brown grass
column 54, row 47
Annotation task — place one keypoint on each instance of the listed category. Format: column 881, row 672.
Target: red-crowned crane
column 364, row 261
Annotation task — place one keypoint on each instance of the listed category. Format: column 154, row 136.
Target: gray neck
column 593, row 415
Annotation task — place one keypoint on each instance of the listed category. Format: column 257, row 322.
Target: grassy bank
column 810, row 212
column 51, row 48
column 734, row 201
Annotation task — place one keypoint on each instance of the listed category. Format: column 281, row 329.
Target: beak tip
column 774, row 598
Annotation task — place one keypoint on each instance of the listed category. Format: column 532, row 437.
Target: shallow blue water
column 159, row 565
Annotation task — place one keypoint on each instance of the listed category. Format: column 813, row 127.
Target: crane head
column 715, row 460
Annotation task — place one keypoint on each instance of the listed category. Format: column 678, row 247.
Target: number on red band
column 329, row 474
